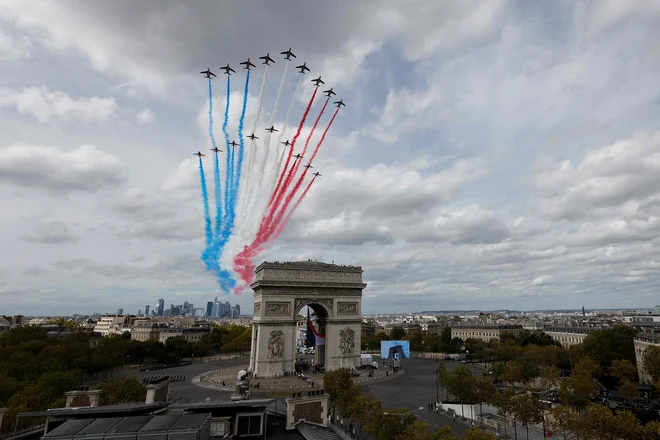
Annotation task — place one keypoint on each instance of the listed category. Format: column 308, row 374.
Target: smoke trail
column 277, row 197
column 206, row 256
column 243, row 264
column 216, row 169
column 261, row 168
column 245, row 196
column 228, row 148
column 278, row 219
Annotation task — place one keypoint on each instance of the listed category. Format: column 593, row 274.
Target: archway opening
column 312, row 337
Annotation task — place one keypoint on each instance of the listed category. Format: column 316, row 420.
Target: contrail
column 261, row 168
column 207, row 254
column 245, row 195
column 216, row 169
column 277, row 197
column 228, row 148
column 278, row 167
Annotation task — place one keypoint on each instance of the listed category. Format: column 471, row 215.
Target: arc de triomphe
column 281, row 290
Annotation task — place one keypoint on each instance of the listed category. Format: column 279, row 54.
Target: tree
column 122, row 390
column 342, row 391
column 503, row 400
column 549, row 377
column 609, row 344
column 461, row 384
column 391, row 424
column 600, row 423
column 527, row 408
column 366, row 411
column 651, row 362
column 417, row 430
column 483, row 391
column 628, row 389
column 514, row 373
column 397, row 333
column 442, row 375
column 475, row 433
column 562, row 420
column 578, row 390
column 623, row 369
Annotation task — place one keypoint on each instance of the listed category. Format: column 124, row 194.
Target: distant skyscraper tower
column 146, row 310
column 120, row 311
column 209, row 308
column 227, row 309
column 139, row 312
column 238, row 311
column 160, row 308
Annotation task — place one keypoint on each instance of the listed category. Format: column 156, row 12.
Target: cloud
column 13, row 48
column 141, row 205
column 56, row 170
column 146, row 116
column 45, row 106
column 54, row 232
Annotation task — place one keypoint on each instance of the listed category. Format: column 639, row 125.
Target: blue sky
column 500, row 154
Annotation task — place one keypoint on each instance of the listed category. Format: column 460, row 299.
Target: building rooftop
column 124, row 408
column 489, row 326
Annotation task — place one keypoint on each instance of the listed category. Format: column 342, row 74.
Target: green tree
column 391, row 424
column 600, row 423
column 563, row 420
column 623, row 369
column 503, row 400
column 651, row 362
column 550, row 377
column 627, row 389
column 609, row 344
column 442, row 375
column 342, row 391
column 514, row 373
column 417, row 430
column 122, row 390
column 578, row 390
column 461, row 384
column 475, row 433
column 527, row 408
column 397, row 333
column 483, row 391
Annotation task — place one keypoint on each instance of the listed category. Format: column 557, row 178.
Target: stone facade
column 309, row 408
column 482, row 331
column 281, row 290
column 642, row 342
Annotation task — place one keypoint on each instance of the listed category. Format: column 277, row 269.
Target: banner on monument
column 313, row 337
column 395, row 349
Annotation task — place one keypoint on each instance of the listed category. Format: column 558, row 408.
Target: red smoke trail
column 269, row 230
column 243, row 261
column 276, row 197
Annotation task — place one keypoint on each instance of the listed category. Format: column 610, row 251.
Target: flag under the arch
column 313, row 337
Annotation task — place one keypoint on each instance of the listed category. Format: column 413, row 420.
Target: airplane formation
column 267, row 60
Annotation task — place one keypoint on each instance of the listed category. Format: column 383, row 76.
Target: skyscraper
column 238, row 311
column 120, row 311
column 160, row 308
column 227, row 309
column 209, row 308
column 146, row 310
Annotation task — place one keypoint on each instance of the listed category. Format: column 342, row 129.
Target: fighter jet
column 248, row 64
column 252, row 136
column 339, row 103
column 199, row 154
column 272, row 129
column 298, row 156
column 227, row 69
column 318, row 81
column 267, row 59
column 288, row 54
column 317, row 174
column 217, row 150
column 286, row 143
column 303, row 67
column 307, row 166
column 233, row 144
column 329, row 92
column 208, row 73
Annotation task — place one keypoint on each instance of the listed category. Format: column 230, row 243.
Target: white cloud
column 44, row 105
column 54, row 232
column 146, row 116
column 12, row 48
column 55, row 170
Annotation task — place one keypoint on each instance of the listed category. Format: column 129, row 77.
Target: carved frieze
column 278, row 309
column 276, row 344
column 347, row 308
column 302, row 302
column 257, row 309
column 308, row 291
column 347, row 340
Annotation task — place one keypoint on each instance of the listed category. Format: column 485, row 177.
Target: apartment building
column 642, row 342
column 484, row 332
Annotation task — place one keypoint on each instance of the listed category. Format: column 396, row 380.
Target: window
column 249, row 424
column 219, row 426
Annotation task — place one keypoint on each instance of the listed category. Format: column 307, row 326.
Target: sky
column 492, row 154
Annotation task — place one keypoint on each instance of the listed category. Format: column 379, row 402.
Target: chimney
column 158, row 390
column 82, row 397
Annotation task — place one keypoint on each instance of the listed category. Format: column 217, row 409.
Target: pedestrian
column 454, row 417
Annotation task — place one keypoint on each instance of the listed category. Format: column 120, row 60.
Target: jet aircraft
column 199, row 154
column 267, row 59
column 298, row 156
column 329, row 92
column 318, row 81
column 288, row 54
column 286, row 143
column 272, row 129
column 303, row 67
column 307, row 166
column 339, row 103
column 227, row 69
column 248, row 64
column 233, row 144
column 208, row 73
column 252, row 136
column 217, row 150
column 317, row 174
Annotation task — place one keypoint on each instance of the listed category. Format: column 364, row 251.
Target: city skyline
column 490, row 155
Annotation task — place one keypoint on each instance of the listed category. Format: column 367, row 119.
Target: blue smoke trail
column 216, row 169
column 207, row 254
column 229, row 148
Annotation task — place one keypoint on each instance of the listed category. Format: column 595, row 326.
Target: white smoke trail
column 277, row 168
column 247, row 188
column 262, row 166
